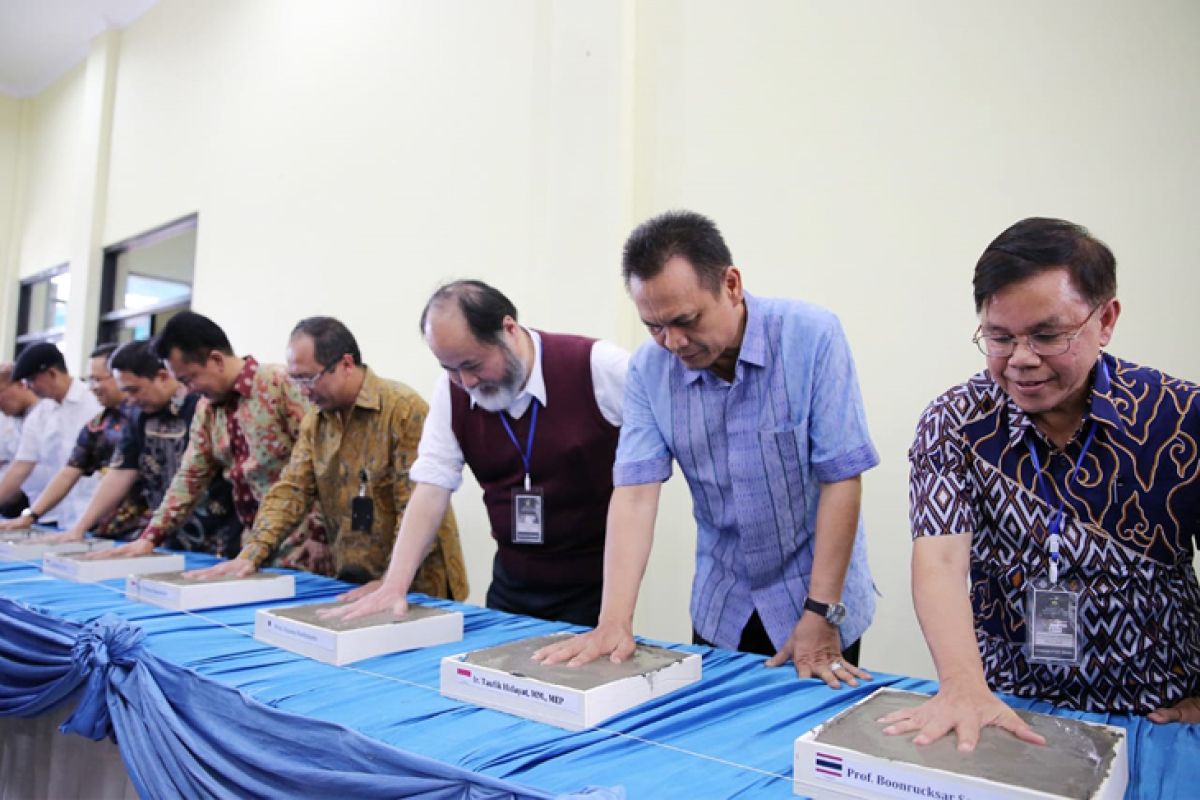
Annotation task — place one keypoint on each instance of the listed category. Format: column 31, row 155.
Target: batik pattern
column 378, row 436
column 1132, row 514
column 94, row 448
column 248, row 439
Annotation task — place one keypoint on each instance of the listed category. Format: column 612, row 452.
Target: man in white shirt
column 15, row 402
column 50, row 430
column 536, row 417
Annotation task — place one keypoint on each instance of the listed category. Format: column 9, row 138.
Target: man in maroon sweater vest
column 535, row 416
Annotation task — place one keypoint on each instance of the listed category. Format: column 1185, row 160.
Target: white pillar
column 87, row 257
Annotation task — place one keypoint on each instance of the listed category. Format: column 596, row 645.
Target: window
column 147, row 280
column 42, row 307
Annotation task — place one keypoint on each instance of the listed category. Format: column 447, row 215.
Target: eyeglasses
column 309, row 381
column 93, row 380
column 1050, row 343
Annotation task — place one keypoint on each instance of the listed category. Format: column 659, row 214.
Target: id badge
column 1052, row 623
column 528, row 518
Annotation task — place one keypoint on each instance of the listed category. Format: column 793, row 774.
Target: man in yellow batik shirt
column 359, row 443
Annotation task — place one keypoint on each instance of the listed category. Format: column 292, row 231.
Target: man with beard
column 353, row 455
column 535, row 415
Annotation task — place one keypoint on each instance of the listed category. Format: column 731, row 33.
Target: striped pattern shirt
column 754, row 453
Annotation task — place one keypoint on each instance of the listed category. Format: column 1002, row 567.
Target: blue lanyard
column 526, row 453
column 1054, row 541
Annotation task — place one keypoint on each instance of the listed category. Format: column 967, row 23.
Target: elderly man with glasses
column 353, row 455
column 1064, row 484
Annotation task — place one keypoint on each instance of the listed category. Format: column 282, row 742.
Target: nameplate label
column 517, row 689
column 323, row 639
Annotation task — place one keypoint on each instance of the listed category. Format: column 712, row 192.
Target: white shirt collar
column 535, row 386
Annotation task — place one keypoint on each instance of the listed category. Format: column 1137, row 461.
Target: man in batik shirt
column 93, row 449
column 1065, row 483
column 149, row 453
column 244, row 429
column 361, row 439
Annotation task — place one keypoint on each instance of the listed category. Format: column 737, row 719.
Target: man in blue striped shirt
column 758, row 402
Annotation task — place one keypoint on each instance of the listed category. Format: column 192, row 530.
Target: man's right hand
column 138, row 547
column 608, row 639
column 16, row 524
column 56, row 538
column 965, row 711
column 237, row 567
column 385, row 597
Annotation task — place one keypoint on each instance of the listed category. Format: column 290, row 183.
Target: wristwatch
column 31, row 514
column 834, row 613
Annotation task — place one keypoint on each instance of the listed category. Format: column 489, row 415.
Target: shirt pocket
column 786, row 473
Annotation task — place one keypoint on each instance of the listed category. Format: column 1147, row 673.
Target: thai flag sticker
column 829, row 765
column 464, row 673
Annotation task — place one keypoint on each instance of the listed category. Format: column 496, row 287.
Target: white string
column 437, row 690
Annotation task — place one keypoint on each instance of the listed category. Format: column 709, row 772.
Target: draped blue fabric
column 181, row 735
column 201, row 709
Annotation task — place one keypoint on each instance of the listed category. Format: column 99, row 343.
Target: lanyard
column 1054, row 541
column 527, row 452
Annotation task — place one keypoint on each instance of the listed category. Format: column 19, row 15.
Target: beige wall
column 863, row 158
column 345, row 158
column 51, row 151
column 11, row 111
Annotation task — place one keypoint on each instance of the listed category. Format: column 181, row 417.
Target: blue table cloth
column 200, row 708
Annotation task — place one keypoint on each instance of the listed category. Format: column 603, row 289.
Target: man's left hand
column 815, row 648
column 1186, row 710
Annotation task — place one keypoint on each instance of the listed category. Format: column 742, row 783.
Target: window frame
column 110, row 321
column 26, row 337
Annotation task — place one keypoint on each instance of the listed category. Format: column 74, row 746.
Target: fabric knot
column 107, row 640
column 105, row 646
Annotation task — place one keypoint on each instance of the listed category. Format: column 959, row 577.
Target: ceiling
column 40, row 40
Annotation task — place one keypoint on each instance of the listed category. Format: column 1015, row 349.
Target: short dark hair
column 677, row 233
column 137, row 358
column 36, row 358
column 103, row 351
column 484, row 308
column 331, row 339
column 193, row 335
column 1038, row 244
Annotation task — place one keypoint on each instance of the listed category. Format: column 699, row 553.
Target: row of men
column 1060, row 484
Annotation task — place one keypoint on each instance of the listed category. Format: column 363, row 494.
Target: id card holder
column 362, row 507
column 528, row 516
column 1051, row 623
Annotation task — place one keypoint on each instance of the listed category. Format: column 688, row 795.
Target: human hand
column 310, row 556
column 359, row 591
column 815, row 649
column 57, row 538
column 1186, row 710
column 237, row 567
column 964, row 711
column 608, row 639
column 385, row 597
column 16, row 524
column 138, row 547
